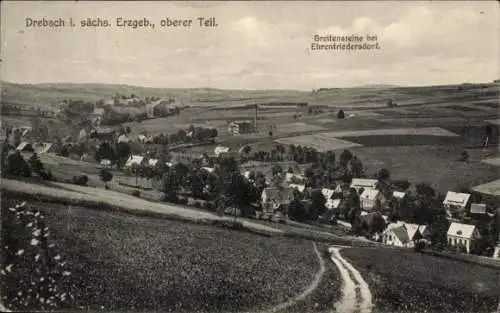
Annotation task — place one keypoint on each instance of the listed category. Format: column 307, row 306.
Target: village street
column 356, row 295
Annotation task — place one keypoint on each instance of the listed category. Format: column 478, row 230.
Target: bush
column 81, row 180
column 197, row 204
column 341, row 114
column 136, row 193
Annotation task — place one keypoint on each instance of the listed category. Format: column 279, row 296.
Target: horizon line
column 245, row 89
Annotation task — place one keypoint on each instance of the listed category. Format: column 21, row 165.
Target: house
column 241, row 127
column 397, row 236
column 123, row 139
column 25, row 146
column 291, row 177
column 97, row 116
column 43, row 147
column 478, row 208
column 327, row 193
column 152, row 162
column 299, row 187
column 220, row 149
column 456, row 200
column 371, row 199
column 274, row 198
column 462, row 235
column 134, row 159
column 105, row 162
column 358, row 183
column 144, row 139
column 208, row 169
column 333, row 204
column 398, row 195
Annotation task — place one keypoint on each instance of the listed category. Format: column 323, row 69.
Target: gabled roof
column 42, row 147
column 370, row 194
column 401, row 233
column 25, row 146
column 363, row 183
column 478, row 208
column 300, row 188
column 461, row 230
column 412, row 229
column 456, row 199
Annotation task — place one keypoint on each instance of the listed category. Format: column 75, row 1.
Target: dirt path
column 356, row 295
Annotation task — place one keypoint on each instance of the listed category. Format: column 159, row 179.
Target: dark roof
column 401, row 233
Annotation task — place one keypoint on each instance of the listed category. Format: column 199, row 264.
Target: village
column 302, row 185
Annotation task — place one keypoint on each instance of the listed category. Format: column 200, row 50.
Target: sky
column 256, row 45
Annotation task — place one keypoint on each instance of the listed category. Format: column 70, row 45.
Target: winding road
column 356, row 295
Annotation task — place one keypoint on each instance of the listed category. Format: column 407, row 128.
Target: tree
column 35, row 163
column 341, row 114
column 355, row 167
column 318, row 202
column 345, row 157
column 123, row 152
column 106, row 176
column 383, row 175
column 277, row 169
column 105, row 151
column 17, row 166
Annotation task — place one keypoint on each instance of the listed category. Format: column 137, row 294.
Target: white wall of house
column 456, row 241
column 390, row 239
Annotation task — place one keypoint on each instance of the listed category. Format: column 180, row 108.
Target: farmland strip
column 310, row 289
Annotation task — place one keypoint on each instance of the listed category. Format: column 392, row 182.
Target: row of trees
column 191, row 135
column 14, row 164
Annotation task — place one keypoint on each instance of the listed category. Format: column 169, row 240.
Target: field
column 185, row 267
column 319, row 142
column 437, row 165
column 409, row 282
column 490, row 188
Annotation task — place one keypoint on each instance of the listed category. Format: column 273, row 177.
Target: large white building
column 462, row 235
column 370, row 198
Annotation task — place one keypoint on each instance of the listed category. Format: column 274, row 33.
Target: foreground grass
column 405, row 281
column 122, row 262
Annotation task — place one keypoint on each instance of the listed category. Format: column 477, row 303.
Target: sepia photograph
column 250, row 156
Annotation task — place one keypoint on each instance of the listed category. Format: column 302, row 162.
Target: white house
column 398, row 194
column 397, row 236
column 123, row 138
column 370, row 197
column 105, row 162
column 299, row 187
column 289, row 177
column 462, row 235
column 478, row 208
column 152, row 162
column 208, row 169
column 134, row 159
column 218, row 150
column 456, row 200
column 358, row 183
